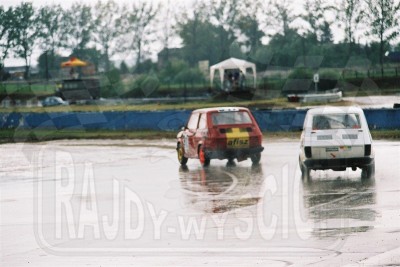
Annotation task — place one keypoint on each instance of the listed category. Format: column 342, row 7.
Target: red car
column 220, row 133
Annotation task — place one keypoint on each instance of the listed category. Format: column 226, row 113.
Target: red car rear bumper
column 231, row 153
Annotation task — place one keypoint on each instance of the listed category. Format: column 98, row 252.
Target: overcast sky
column 338, row 34
column 64, row 3
column 10, row 61
column 67, row 3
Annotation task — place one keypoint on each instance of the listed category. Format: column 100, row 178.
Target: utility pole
column 316, row 81
column 47, row 65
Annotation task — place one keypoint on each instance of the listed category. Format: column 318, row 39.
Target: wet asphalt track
column 129, row 203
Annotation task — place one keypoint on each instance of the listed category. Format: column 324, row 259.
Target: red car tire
column 203, row 158
column 181, row 155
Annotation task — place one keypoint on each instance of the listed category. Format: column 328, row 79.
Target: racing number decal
column 237, row 139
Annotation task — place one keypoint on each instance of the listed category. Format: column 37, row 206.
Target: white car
column 53, row 101
column 336, row 138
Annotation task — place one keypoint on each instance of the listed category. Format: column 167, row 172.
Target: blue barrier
column 268, row 120
column 280, row 120
column 130, row 120
column 383, row 118
column 9, row 120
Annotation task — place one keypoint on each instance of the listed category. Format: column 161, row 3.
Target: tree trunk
column 139, row 55
column 381, row 52
column 303, row 48
column 26, row 68
column 52, row 59
column 47, row 65
column 107, row 59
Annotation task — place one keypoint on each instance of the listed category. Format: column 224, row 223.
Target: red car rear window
column 231, row 117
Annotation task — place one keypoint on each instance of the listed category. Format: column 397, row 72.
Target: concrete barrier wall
column 270, row 120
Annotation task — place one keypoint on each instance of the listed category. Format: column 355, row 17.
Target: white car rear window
column 336, row 121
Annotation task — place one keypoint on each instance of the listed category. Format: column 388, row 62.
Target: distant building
column 394, row 56
column 168, row 54
column 204, row 66
column 17, row 73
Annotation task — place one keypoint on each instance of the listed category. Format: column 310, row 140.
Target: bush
column 189, row 76
column 301, row 73
column 172, row 69
column 111, row 84
column 143, row 86
column 329, row 74
column 123, row 68
column 150, row 85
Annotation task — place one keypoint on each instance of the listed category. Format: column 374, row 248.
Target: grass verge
column 253, row 104
column 13, row 136
column 386, row 134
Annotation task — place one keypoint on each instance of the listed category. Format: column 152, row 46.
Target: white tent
column 229, row 64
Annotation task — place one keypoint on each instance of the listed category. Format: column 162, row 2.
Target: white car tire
column 305, row 171
column 368, row 171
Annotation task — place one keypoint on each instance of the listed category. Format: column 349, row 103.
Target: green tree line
column 272, row 33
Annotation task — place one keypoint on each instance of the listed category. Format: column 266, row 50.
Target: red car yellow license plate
column 237, row 138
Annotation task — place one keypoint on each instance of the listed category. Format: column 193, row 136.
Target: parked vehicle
column 220, row 133
column 79, row 89
column 79, row 81
column 53, row 101
column 336, row 138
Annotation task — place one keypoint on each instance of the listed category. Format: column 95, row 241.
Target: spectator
column 242, row 80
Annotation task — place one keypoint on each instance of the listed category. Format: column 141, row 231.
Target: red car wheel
column 181, row 155
column 203, row 158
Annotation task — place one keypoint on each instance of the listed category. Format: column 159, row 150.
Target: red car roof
column 220, row 109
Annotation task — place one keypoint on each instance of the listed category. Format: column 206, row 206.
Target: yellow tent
column 74, row 62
